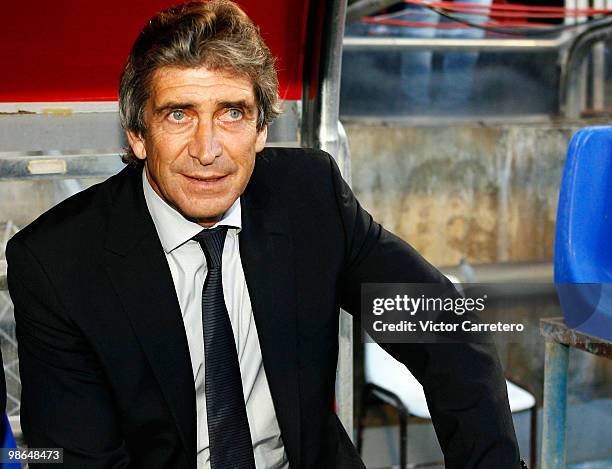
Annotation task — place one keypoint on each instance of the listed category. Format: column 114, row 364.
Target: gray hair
column 215, row 34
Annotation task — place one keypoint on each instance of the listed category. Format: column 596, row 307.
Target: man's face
column 201, row 139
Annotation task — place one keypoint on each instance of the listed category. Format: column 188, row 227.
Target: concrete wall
column 486, row 192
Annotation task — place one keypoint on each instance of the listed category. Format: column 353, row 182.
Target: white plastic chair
column 391, row 382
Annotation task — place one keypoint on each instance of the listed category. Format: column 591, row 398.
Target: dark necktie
column 228, row 427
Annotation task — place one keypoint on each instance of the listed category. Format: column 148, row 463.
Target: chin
column 205, row 214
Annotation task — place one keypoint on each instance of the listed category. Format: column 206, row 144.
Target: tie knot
column 212, row 244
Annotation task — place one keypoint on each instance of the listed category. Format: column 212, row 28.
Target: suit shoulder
column 301, row 177
column 78, row 216
column 295, row 160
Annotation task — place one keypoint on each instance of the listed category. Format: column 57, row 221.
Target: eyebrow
column 172, row 105
column 240, row 104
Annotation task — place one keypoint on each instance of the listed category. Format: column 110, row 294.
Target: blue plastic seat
column 583, row 240
column 8, row 442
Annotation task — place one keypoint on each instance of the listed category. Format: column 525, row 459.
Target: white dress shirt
column 188, row 267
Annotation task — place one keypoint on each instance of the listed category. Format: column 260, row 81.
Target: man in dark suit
column 184, row 313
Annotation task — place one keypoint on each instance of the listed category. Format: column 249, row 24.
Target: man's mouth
column 208, row 178
column 207, row 183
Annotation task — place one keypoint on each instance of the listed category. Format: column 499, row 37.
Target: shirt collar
column 175, row 230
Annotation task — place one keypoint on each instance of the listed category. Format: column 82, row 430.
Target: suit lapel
column 266, row 252
column 140, row 274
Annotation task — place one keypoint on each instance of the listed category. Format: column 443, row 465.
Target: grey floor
column 589, row 439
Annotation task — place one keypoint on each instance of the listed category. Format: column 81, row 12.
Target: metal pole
column 598, row 79
column 332, row 140
column 454, row 44
column 328, row 132
column 321, row 129
column 570, row 96
column 555, row 400
column 363, row 8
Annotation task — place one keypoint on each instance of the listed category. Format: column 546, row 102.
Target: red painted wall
column 74, row 50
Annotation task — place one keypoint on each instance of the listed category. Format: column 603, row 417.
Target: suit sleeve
column 65, row 400
column 463, row 382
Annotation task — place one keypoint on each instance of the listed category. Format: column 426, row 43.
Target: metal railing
column 572, row 93
column 455, row 44
column 572, row 46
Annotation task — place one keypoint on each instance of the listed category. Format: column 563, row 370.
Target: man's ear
column 137, row 144
column 262, row 136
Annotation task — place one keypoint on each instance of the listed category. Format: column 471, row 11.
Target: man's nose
column 204, row 145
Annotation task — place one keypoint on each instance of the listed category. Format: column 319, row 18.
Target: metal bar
column 60, row 108
column 320, row 129
column 403, row 439
column 598, row 79
column 533, row 436
column 570, row 93
column 328, row 132
column 506, row 272
column 570, row 5
column 581, row 5
column 53, row 166
column 555, row 400
column 3, row 285
column 363, row 8
column 556, row 329
column 45, row 166
column 333, row 140
column 449, row 44
column 582, row 86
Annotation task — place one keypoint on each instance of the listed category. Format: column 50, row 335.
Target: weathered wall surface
column 488, row 193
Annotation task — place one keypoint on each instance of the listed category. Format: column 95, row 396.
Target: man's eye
column 234, row 114
column 178, row 115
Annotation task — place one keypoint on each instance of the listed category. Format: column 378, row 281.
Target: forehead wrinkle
column 194, row 97
column 200, row 88
column 189, row 77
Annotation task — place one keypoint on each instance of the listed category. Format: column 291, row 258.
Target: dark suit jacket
column 104, row 360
